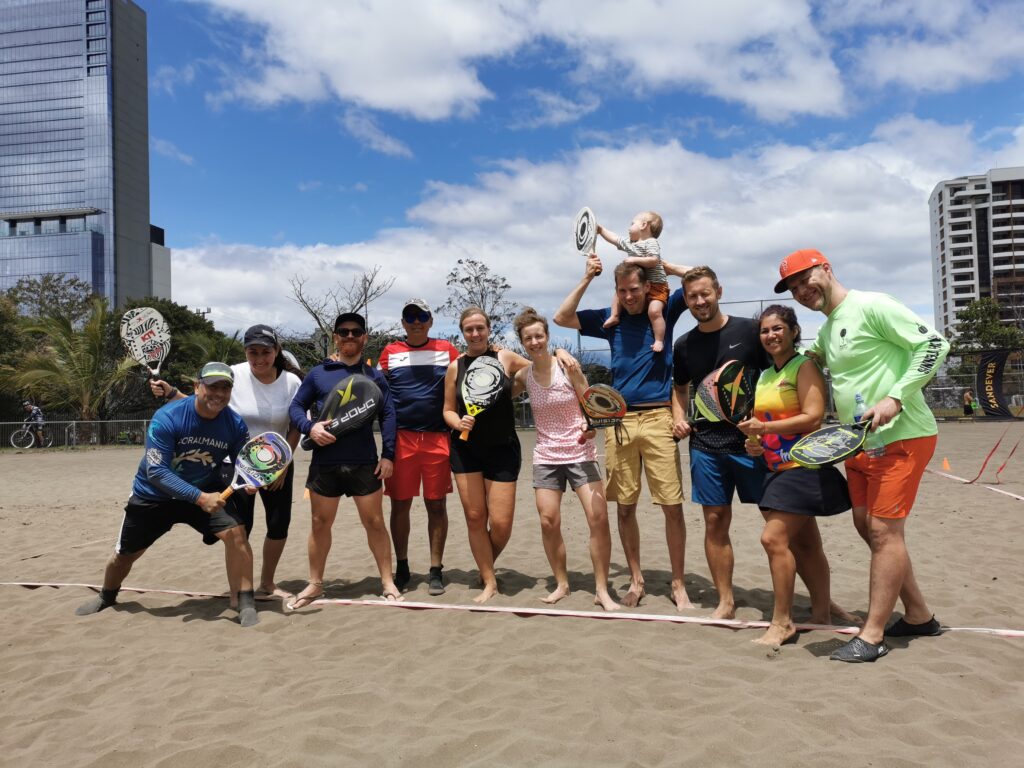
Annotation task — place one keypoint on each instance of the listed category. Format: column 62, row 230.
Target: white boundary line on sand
column 606, row 616
column 967, row 482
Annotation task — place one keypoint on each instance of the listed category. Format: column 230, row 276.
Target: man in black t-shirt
column 719, row 465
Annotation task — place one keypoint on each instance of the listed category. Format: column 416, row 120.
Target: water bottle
column 873, row 445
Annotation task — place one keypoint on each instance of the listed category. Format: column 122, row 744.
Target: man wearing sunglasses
column 347, row 464
column 415, row 370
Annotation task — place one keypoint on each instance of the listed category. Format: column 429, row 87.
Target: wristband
column 171, row 394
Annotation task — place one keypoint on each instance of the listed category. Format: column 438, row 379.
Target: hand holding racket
column 352, row 403
column 146, row 338
column 602, row 406
column 830, row 445
column 260, row 462
column 585, row 233
column 481, row 387
column 725, row 395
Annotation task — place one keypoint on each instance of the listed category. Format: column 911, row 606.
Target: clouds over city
column 865, row 206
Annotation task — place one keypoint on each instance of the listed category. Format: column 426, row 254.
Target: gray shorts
column 555, row 476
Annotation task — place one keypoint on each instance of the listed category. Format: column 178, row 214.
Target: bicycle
column 26, row 436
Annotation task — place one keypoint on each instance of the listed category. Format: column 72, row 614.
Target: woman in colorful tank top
column 789, row 403
column 564, row 454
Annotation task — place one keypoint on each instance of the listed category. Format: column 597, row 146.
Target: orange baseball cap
column 797, row 262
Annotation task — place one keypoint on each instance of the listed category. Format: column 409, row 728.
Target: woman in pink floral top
column 564, row 454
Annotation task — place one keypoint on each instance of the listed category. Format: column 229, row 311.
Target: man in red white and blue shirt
column 415, row 370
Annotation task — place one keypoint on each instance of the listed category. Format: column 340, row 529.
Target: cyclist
column 35, row 417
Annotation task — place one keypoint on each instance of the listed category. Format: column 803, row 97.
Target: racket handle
column 464, row 435
column 227, row 492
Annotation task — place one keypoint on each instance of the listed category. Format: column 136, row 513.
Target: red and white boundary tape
column 968, row 482
column 607, row 616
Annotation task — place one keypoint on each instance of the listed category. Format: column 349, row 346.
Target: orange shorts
column 420, row 456
column 658, row 292
column 887, row 485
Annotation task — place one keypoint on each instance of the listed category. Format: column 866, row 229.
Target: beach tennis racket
column 482, row 386
column 830, row 445
column 602, row 406
column 725, row 395
column 352, row 403
column 146, row 338
column 585, row 232
column 260, row 462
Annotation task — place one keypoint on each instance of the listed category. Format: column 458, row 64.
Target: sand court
column 171, row 680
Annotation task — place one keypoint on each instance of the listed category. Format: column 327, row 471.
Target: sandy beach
column 172, row 680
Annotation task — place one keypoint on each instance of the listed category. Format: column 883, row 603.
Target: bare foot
column 680, row 598
column 391, row 592
column 313, row 592
column 724, row 611
column 562, row 590
column 843, row 616
column 272, row 590
column 611, row 322
column 490, row 590
column 777, row 634
column 605, row 601
column 633, row 597
column 657, row 346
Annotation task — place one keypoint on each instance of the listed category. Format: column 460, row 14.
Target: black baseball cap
column 260, row 335
column 350, row 317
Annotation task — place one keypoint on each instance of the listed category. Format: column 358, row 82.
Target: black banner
column 990, row 383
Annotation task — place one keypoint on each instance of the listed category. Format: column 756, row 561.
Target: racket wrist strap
column 172, row 394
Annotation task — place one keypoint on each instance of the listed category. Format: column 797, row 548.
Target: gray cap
column 214, row 372
column 418, row 303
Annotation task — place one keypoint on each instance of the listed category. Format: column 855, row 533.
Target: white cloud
column 168, row 149
column 167, row 78
column 364, row 129
column 930, row 46
column 421, row 59
column 865, row 206
column 309, row 186
column 553, row 109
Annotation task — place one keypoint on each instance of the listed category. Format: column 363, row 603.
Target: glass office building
column 74, row 146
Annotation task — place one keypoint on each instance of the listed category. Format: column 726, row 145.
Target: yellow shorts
column 646, row 445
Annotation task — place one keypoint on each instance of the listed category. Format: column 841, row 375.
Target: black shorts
column 499, row 463
column 801, row 491
column 276, row 504
column 334, row 480
column 146, row 521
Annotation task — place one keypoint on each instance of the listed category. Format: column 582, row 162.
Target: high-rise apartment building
column 978, row 244
column 74, row 147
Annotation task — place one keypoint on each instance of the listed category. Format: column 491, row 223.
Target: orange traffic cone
column 945, row 464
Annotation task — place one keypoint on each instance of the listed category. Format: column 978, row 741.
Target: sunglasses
column 355, row 333
column 413, row 317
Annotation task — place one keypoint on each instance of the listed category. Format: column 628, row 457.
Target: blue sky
column 319, row 138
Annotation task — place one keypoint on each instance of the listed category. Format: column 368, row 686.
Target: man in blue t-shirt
column 644, row 439
column 179, row 481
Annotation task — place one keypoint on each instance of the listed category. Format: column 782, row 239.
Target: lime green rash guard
column 874, row 345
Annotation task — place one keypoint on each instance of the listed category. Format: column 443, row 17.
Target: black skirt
column 802, row 491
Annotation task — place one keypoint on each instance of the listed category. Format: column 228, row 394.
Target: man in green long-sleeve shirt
column 876, row 347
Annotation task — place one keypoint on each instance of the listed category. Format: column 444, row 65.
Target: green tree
column 12, row 348
column 70, row 368
column 979, row 327
column 53, row 294
column 471, row 283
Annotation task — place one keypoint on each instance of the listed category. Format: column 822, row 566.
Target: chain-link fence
column 73, row 434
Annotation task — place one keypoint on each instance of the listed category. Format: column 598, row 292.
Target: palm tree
column 68, row 368
column 217, row 346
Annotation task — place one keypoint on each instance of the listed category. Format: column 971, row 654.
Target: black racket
column 352, row 403
column 830, row 445
column 725, row 395
column 602, row 406
column 481, row 386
